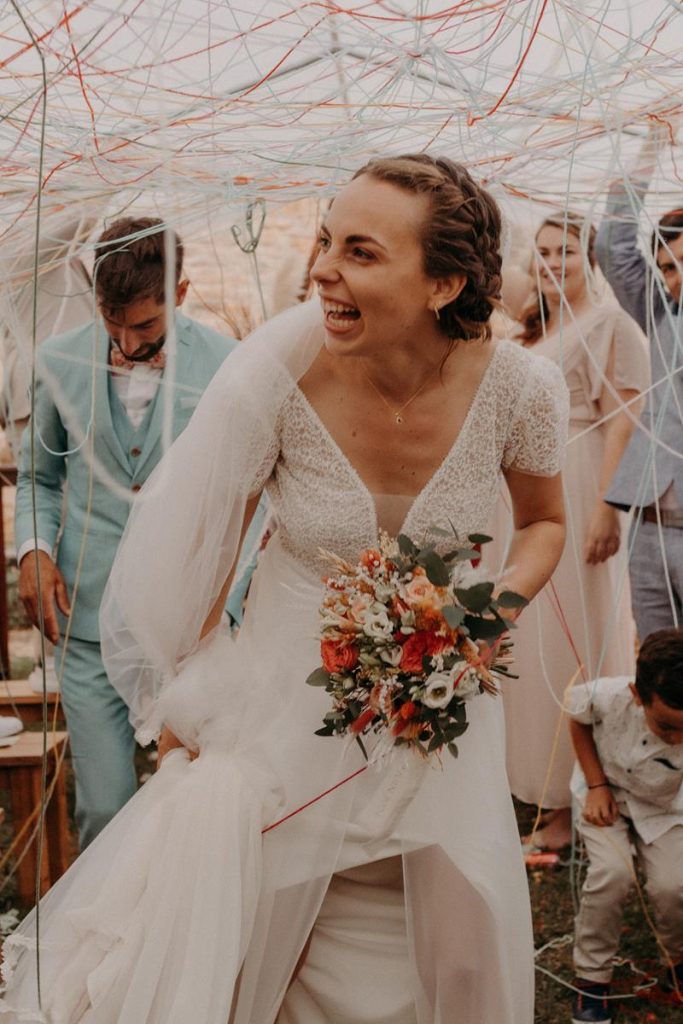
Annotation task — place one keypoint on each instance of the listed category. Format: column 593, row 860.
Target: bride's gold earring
column 436, row 314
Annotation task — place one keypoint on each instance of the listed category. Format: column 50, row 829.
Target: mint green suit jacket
column 78, row 454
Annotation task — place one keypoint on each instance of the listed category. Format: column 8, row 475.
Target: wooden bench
column 17, row 694
column 20, row 773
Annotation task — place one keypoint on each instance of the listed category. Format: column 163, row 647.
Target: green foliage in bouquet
column 408, row 636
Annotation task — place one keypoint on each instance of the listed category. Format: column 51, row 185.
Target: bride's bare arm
column 538, row 514
column 167, row 739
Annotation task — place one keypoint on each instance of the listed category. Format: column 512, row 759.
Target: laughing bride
column 230, row 888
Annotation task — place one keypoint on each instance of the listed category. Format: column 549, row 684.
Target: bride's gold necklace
column 398, row 413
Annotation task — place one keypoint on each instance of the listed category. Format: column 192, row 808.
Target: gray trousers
column 656, row 573
column 608, row 881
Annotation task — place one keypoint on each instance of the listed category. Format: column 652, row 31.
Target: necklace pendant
column 398, row 418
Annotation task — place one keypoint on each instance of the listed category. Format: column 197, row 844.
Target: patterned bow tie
column 120, row 363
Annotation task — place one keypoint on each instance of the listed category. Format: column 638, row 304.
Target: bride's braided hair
column 461, row 236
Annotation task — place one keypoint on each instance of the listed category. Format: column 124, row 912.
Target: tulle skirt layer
column 198, row 900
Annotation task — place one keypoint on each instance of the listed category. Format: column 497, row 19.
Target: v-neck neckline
column 353, row 472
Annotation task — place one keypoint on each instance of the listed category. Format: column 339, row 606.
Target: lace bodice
column 517, row 419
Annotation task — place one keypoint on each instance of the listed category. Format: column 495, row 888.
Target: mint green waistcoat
column 131, row 438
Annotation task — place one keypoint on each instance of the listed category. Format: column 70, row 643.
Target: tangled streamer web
column 196, row 111
column 212, row 102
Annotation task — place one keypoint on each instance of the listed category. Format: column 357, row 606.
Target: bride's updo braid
column 461, row 236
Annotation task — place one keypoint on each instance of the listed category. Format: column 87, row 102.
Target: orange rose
column 338, row 656
column 417, row 646
column 429, row 618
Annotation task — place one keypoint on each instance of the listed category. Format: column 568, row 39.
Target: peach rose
column 419, row 591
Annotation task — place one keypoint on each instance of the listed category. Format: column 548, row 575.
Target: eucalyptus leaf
column 485, row 629
column 464, row 555
column 475, row 598
column 438, row 531
column 327, row 730
column 319, row 677
column 436, row 569
column 479, row 538
column 509, row 599
column 405, row 545
column 453, row 615
column 452, row 749
column 459, row 712
column 455, row 730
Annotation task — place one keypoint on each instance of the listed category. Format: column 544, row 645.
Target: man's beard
column 148, row 353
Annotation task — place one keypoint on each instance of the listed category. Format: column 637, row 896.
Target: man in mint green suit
column 102, row 394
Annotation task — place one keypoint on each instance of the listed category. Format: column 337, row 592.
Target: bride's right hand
column 167, row 741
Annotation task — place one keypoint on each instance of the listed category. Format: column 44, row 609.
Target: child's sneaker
column 591, row 1005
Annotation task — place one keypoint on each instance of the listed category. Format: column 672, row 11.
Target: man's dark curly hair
column 130, row 262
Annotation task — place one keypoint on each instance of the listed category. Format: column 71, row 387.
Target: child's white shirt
column 646, row 774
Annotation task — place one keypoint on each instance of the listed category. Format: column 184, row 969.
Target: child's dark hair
column 659, row 669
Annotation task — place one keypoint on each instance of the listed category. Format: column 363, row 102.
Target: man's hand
column 52, row 589
column 600, row 807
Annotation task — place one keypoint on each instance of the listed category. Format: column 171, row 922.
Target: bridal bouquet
column 408, row 636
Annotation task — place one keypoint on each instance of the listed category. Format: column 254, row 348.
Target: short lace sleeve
column 538, row 430
column 266, row 466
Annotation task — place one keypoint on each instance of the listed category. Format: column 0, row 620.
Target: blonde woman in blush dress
column 581, row 626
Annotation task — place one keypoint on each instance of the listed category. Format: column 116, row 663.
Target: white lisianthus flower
column 438, row 690
column 465, row 680
column 377, row 625
column 392, row 656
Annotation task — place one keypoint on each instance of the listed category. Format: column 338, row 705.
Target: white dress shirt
column 135, row 390
column 645, row 773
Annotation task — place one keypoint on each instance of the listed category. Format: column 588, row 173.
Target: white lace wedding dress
column 417, row 909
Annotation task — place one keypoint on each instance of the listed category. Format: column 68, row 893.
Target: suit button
column 136, row 451
column 135, row 488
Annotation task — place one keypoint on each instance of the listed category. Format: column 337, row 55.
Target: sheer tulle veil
column 182, row 537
